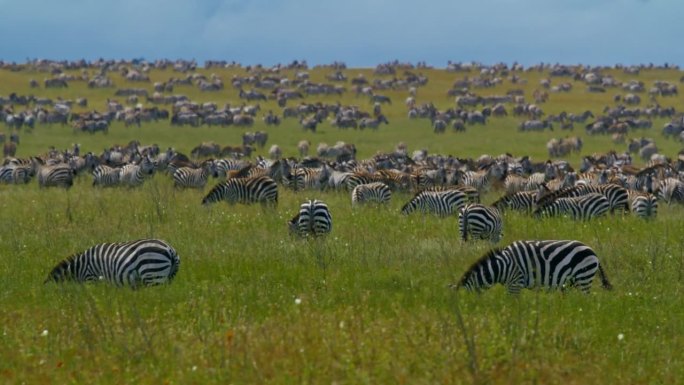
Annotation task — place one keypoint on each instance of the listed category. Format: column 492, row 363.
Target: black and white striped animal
column 519, row 201
column 137, row 263
column 583, row 207
column 134, row 174
column 480, row 222
column 376, row 192
column 643, row 205
column 440, row 203
column 313, row 219
column 16, row 174
column 548, row 264
column 671, row 190
column 301, row 178
column 261, row 189
column 106, row 176
column 58, row 175
column 187, row 177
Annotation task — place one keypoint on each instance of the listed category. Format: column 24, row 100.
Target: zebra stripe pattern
column 481, row 222
column 584, row 207
column 106, row 176
column 308, row 178
column 548, row 264
column 671, row 190
column 313, row 219
column 59, row 175
column 643, row 205
column 377, row 192
column 186, row 177
column 134, row 174
column 260, row 189
column 440, row 203
column 520, row 201
column 135, row 263
column 12, row 174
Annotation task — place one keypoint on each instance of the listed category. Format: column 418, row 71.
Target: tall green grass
column 368, row 304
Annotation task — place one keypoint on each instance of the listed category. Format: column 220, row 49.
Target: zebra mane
column 480, row 261
column 61, row 267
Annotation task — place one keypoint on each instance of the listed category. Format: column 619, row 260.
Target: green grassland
column 368, row 304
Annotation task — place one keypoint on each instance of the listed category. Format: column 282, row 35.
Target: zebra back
column 371, row 192
column 260, row 189
column 583, row 207
column 441, row 203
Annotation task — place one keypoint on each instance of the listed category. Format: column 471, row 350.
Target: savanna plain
column 370, row 303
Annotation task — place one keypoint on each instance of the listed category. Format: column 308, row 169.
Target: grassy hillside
column 367, row 304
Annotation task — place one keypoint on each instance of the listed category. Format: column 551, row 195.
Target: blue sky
column 358, row 32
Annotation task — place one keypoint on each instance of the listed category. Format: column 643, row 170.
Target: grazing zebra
column 440, row 203
column 142, row 262
column 643, row 205
column 187, row 177
column 313, row 219
column 59, row 175
column 520, row 201
column 260, row 189
column 106, row 176
column 618, row 197
column 377, row 192
column 481, row 222
column 536, row 264
column 308, row 178
column 134, row 174
column 584, row 207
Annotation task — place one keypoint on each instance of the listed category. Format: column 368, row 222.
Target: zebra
column 358, row 178
column 584, row 207
column 141, row 262
column 481, row 222
column 106, row 176
column 618, row 197
column 440, row 203
column 643, row 205
column 308, row 178
column 58, row 175
column 134, row 174
column 187, row 177
column 12, row 174
column 313, row 219
column 371, row 192
column 671, row 190
column 549, row 264
column 482, row 180
column 520, row 201
column 260, row 189
column 225, row 165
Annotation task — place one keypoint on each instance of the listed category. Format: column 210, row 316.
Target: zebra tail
column 604, row 279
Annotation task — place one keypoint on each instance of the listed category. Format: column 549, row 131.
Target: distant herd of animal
column 442, row 185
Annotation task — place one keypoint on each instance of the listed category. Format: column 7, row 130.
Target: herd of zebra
column 441, row 185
